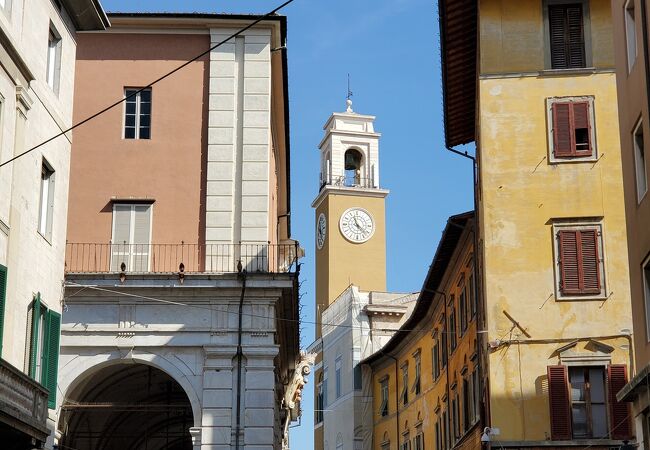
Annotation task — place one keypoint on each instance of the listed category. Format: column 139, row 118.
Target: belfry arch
column 126, row 406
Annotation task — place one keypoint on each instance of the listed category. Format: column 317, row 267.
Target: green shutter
column 51, row 355
column 3, row 299
column 33, row 348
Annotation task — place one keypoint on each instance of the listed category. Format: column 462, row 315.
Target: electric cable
column 136, row 92
column 208, row 308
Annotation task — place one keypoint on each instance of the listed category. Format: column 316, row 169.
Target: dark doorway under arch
column 126, row 407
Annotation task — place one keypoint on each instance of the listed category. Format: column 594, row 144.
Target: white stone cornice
column 352, row 191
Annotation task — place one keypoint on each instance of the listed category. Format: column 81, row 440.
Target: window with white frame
column 639, row 161
column 572, row 130
column 418, row 440
column 137, row 113
column 630, row 34
column 383, row 406
column 406, row 441
column 404, row 395
column 418, row 369
column 130, row 244
column 579, row 268
column 46, row 208
column 337, row 375
column 53, row 68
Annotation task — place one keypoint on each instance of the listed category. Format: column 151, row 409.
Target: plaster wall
column 166, row 168
column 633, row 107
column 522, row 194
column 513, row 38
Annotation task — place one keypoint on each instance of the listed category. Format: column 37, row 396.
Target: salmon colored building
column 181, row 276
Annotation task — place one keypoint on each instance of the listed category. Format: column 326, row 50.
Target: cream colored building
column 38, row 45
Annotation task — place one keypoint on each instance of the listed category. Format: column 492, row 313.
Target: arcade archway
column 126, row 406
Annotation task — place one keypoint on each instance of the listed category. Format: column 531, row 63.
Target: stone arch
column 81, row 368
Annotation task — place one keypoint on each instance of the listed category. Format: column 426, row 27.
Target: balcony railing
column 349, row 181
column 24, row 400
column 167, row 258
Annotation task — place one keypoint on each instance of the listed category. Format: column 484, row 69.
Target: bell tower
column 350, row 209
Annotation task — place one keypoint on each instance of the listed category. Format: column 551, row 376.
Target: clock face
column 357, row 225
column 321, row 231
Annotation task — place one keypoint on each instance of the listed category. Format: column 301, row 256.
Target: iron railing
column 166, row 258
column 349, row 181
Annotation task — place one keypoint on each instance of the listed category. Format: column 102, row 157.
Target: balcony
column 349, row 181
column 187, row 258
column 23, row 404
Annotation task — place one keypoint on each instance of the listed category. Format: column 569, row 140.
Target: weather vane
column 349, row 100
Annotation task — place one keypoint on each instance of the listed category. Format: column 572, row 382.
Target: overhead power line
column 133, row 94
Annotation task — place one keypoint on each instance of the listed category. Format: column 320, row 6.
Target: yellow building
column 532, row 83
column 425, row 380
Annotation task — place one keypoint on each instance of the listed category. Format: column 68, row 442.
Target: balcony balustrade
column 173, row 258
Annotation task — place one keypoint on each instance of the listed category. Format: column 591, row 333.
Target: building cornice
column 351, row 191
column 363, row 134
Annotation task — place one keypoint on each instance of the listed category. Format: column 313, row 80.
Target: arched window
column 320, row 404
column 353, row 160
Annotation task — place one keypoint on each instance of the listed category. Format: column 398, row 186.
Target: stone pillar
column 218, row 395
column 259, row 397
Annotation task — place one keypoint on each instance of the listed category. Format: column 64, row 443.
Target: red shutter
column 619, row 412
column 569, row 266
column 558, row 399
column 581, row 121
column 589, row 262
column 562, row 130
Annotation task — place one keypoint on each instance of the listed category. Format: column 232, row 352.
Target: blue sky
column 391, row 50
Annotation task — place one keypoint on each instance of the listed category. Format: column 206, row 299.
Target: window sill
column 577, row 298
column 563, row 72
column 552, row 160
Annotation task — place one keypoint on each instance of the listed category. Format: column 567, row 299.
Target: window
column 445, row 430
column 418, row 367
column 472, row 296
column 467, row 400
column 53, row 68
column 580, row 267
column 319, row 400
column 383, row 407
column 476, row 395
column 405, row 385
column 137, row 113
column 435, row 358
column 567, row 36
column 352, row 167
column 452, row 326
column 131, row 237
column 462, row 300
column 646, row 291
column 46, row 208
column 44, row 331
column 337, row 376
column 325, row 399
column 639, row 162
column 630, row 34
column 582, row 397
column 3, row 300
column 418, row 441
column 406, row 441
column 454, row 419
column 443, row 344
column 358, row 378
column 572, row 135
column 437, row 435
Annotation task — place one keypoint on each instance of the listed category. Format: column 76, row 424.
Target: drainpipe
column 240, row 354
column 484, row 416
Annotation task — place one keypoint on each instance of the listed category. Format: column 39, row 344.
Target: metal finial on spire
column 349, row 100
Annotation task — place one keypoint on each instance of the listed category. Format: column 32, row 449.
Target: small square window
column 571, row 129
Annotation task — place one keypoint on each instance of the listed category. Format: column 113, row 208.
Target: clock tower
column 350, row 210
